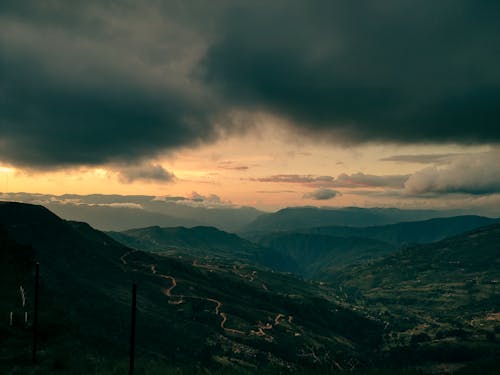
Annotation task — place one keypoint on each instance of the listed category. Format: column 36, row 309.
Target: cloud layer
column 407, row 71
column 472, row 174
column 344, row 180
column 91, row 83
column 145, row 172
column 421, row 158
column 111, row 82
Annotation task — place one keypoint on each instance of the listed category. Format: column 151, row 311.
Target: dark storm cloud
column 103, row 82
column 321, row 194
column 146, row 173
column 92, row 82
column 422, row 158
column 402, row 71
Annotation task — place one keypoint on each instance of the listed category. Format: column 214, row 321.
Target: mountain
column 315, row 250
column 297, row 218
column 81, row 275
column 413, row 232
column 116, row 218
column 121, row 212
column 204, row 316
column 16, row 266
column 442, row 299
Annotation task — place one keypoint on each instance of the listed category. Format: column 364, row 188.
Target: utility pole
column 132, row 329
column 35, row 315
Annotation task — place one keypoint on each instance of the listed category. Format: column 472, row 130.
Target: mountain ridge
column 296, row 218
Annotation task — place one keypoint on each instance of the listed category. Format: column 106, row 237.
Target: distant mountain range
column 307, row 252
column 163, row 214
column 122, row 212
column 314, row 250
column 411, row 232
column 298, row 218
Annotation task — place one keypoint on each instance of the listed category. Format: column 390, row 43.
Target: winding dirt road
column 122, row 258
column 180, row 298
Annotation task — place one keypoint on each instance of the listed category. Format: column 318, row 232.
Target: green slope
column 439, row 300
column 313, row 254
column 204, row 242
column 318, row 249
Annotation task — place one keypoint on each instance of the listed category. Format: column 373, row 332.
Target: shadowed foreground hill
column 16, row 268
column 201, row 315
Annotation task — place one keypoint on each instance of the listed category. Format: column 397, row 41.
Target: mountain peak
column 16, row 213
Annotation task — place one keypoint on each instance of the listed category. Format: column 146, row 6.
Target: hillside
column 16, row 267
column 208, row 243
column 200, row 238
column 314, row 250
column 81, row 275
column 314, row 253
column 442, row 296
column 202, row 315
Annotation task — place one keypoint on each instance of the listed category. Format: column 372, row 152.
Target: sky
column 266, row 104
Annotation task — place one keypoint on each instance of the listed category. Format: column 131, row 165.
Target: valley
column 209, row 300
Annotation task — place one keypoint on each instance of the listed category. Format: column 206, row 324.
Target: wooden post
column 132, row 329
column 35, row 314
